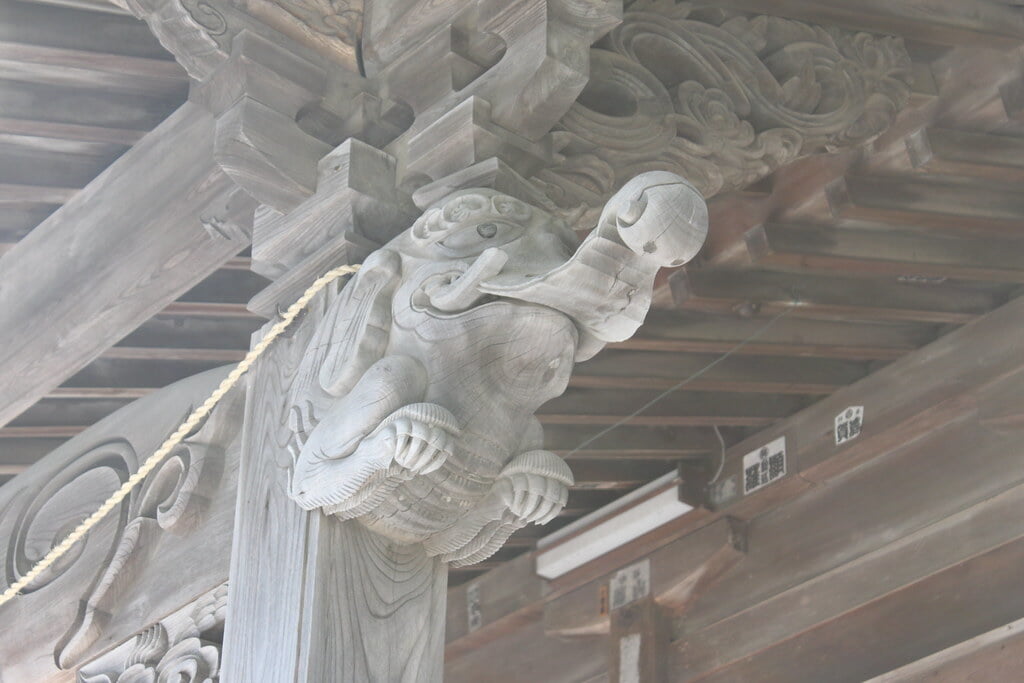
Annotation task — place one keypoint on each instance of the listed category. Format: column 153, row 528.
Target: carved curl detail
column 721, row 98
column 176, row 653
column 342, row 19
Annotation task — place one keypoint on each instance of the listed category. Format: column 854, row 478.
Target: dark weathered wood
column 585, row 406
column 766, row 293
column 526, row 654
column 643, row 370
column 618, row 474
column 627, row 441
column 63, row 66
column 22, row 195
column 82, row 107
column 74, row 29
column 184, row 332
column 982, row 23
column 638, row 644
column 50, row 412
column 915, row 396
column 996, row 655
column 679, row 571
column 16, row 455
column 954, row 152
column 881, row 251
column 149, row 209
column 878, row 613
column 69, row 131
column 209, row 310
column 112, row 372
column 693, row 332
column 957, row 205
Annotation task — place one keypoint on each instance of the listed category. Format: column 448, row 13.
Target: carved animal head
column 480, row 244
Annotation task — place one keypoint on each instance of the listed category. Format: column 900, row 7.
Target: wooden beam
column 981, row 23
column 871, row 614
column 16, row 455
column 957, row 205
column 82, row 107
column 946, row 151
column 112, row 372
column 21, row 195
column 629, row 441
column 54, row 432
column 603, row 473
column 694, row 332
column 145, row 214
column 586, row 406
column 614, row 369
column 171, row 354
column 49, row 412
column 77, row 29
column 190, row 332
column 882, row 251
column 996, row 655
column 66, row 67
column 100, row 392
column 209, row 310
column 766, row 293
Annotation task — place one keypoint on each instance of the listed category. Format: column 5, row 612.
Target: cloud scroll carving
column 720, row 98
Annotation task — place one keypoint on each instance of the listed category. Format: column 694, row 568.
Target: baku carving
column 413, row 409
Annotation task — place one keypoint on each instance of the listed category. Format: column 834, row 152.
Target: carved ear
column 351, row 337
column 354, row 333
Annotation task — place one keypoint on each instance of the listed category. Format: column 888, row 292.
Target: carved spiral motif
column 61, row 503
column 207, row 16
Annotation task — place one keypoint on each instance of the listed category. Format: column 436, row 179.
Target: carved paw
column 535, row 486
column 420, row 436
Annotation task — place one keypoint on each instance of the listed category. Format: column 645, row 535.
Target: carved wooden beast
column 414, row 406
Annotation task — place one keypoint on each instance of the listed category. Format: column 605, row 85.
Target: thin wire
column 721, row 459
column 679, row 385
column 179, row 434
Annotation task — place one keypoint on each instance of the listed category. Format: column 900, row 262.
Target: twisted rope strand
column 179, row 434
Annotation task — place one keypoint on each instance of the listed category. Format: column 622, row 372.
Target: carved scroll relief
column 132, row 563
column 413, row 409
column 721, row 98
column 184, row 648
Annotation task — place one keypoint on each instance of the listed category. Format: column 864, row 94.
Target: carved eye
column 474, row 239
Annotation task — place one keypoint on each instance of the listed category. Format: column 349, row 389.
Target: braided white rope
column 174, row 439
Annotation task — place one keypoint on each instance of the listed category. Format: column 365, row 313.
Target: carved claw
column 533, row 488
column 420, row 436
column 419, row 447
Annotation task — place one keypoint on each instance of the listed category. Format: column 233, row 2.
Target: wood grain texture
column 114, row 583
column 153, row 220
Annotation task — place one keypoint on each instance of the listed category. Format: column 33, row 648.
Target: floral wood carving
column 720, row 98
column 184, row 648
column 413, row 408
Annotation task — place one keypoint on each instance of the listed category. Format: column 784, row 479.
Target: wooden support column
column 638, row 643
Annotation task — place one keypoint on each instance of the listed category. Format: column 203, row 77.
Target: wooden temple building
column 753, row 264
